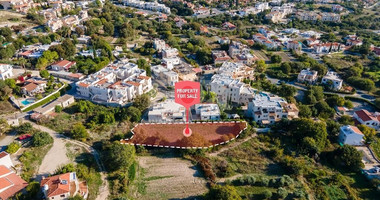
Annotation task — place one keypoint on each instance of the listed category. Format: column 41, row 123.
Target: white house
column 32, row 87
column 62, row 65
column 207, row 111
column 167, row 111
column 351, row 135
column 332, row 79
column 307, row 75
column 63, row 186
column 5, row 71
column 5, row 160
column 371, row 120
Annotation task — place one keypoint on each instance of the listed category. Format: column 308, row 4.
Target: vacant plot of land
column 261, row 55
column 8, row 18
column 285, row 56
column 203, row 134
column 171, row 178
column 6, row 108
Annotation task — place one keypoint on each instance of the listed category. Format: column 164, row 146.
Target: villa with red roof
column 62, row 65
column 371, row 120
column 10, row 183
column 63, row 186
column 351, row 135
column 5, row 159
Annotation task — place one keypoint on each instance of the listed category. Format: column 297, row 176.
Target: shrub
column 24, row 128
column 13, row 147
column 282, row 193
column 267, row 194
column 41, row 139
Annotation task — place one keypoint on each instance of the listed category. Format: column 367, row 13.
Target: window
column 62, row 195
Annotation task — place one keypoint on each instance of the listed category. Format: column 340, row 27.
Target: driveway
column 368, row 159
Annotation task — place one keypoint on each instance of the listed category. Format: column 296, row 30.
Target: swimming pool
column 27, row 101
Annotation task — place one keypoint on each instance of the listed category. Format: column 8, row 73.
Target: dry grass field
column 171, row 178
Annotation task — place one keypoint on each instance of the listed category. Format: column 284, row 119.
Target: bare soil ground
column 204, row 134
column 171, row 178
column 6, row 16
column 284, row 56
column 261, row 55
column 6, row 108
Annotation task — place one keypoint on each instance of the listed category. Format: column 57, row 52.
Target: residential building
column 33, row 86
column 167, row 111
column 312, row 41
column 165, row 75
column 351, row 135
column 266, row 108
column 10, row 183
column 54, row 24
column 330, row 17
column 308, row 16
column 63, row 186
column 231, row 90
column 63, row 101
column 246, row 58
column 147, row 5
column 171, row 62
column 275, row 16
column 228, row 26
column 62, row 65
column 328, row 47
column 332, row 79
column 6, row 71
column 261, row 39
column 307, row 75
column 207, row 111
column 117, row 83
column 204, row 30
column 220, row 56
column 5, row 160
column 337, row 8
column 169, row 52
column 179, row 22
column 294, row 45
column 238, row 71
column 159, row 45
column 371, row 120
column 261, row 6
column 236, row 48
column 353, row 40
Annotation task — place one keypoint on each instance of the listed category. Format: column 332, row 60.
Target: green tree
column 79, row 132
column 13, row 147
column 5, row 91
column 24, row 128
column 346, row 120
column 219, row 192
column 348, row 157
column 304, row 111
column 76, row 197
column 142, row 102
column 119, row 156
column 267, row 194
column 4, row 127
column 44, row 74
column 369, row 133
column 282, row 193
column 134, row 114
column 58, row 109
column 41, row 139
column 261, row 66
column 275, row 58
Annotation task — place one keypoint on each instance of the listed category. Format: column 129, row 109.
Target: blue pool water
column 26, row 102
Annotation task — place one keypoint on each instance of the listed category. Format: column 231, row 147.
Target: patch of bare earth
column 171, row 178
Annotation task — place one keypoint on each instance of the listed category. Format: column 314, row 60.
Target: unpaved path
column 171, row 178
column 57, row 157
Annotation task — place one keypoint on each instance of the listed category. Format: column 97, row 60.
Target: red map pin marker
column 187, row 93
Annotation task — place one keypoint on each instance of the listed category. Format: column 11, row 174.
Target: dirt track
column 171, row 178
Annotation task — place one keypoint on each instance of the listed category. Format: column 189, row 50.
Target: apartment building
column 147, row 5
column 332, row 79
column 235, row 48
column 294, row 45
column 117, row 83
column 307, row 75
column 330, row 17
column 169, row 52
column 266, row 108
column 159, row 45
column 328, row 47
column 6, row 71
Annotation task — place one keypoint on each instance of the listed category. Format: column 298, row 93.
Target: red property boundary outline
column 179, row 147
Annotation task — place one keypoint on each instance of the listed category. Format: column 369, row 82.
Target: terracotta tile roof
column 3, row 154
column 102, row 81
column 115, row 84
column 4, row 170
column 30, row 87
column 64, row 63
column 11, row 183
column 85, row 85
column 364, row 115
column 133, row 83
column 356, row 130
column 144, row 77
column 55, row 186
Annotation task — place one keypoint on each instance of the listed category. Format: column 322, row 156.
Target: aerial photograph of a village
column 189, row 99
